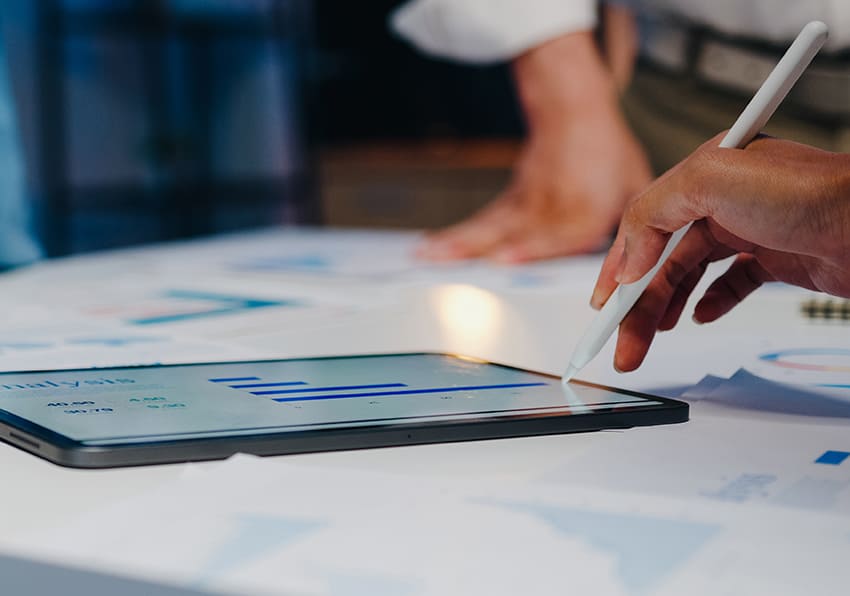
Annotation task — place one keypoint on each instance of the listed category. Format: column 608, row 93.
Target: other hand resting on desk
column 782, row 207
column 579, row 166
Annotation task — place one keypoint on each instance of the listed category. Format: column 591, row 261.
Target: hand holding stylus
column 782, row 207
column 746, row 127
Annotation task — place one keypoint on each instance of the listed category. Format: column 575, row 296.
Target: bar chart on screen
column 290, row 391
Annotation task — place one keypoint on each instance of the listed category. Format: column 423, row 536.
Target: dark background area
column 405, row 140
column 371, row 84
column 151, row 120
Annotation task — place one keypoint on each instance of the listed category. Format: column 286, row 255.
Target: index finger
column 670, row 203
column 606, row 283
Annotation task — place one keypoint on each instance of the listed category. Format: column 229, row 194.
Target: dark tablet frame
column 61, row 450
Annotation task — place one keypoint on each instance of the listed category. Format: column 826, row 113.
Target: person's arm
column 782, row 207
column 579, row 164
column 489, row 31
column 619, row 42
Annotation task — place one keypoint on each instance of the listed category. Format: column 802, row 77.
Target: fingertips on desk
column 436, row 249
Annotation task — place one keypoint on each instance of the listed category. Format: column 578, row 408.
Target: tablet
column 126, row 416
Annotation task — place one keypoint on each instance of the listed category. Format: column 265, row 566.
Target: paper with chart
column 159, row 321
column 749, row 497
column 770, row 421
column 804, row 382
column 266, row 527
column 323, row 256
column 381, row 256
column 750, row 464
column 231, row 297
column 795, row 369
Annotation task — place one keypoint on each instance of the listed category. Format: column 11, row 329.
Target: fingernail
column 596, row 301
column 503, row 256
column 696, row 320
column 436, row 250
column 508, row 256
column 617, row 368
column 435, row 246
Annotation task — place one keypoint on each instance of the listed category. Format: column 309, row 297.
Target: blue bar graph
column 300, row 391
column 234, row 379
column 405, row 392
column 318, row 389
column 256, row 385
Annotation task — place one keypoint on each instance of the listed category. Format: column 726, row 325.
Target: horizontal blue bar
column 832, row 458
column 407, row 392
column 317, row 389
column 285, row 384
column 234, row 379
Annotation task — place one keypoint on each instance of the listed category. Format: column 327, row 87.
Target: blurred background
column 149, row 120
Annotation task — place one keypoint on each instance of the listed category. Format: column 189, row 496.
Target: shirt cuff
column 486, row 31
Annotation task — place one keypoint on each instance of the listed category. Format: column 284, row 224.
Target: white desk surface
column 528, row 317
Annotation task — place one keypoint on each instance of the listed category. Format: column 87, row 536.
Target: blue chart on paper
column 809, row 365
column 746, row 391
column 256, row 537
column 646, row 549
column 253, row 537
column 304, row 263
column 105, row 341
column 212, row 305
column 832, row 458
column 116, row 341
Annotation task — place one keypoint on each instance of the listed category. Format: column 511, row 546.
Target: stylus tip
column 569, row 373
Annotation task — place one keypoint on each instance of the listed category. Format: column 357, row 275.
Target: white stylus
column 746, row 127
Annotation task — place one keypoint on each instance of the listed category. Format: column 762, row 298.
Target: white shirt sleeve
column 777, row 21
column 484, row 31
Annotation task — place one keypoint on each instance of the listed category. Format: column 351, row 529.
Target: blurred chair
column 165, row 119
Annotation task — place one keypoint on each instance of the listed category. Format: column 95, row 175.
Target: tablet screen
column 143, row 404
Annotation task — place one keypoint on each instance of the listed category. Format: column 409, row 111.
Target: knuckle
column 673, row 273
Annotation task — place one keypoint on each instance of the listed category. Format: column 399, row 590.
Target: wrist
column 563, row 80
column 843, row 182
column 841, row 196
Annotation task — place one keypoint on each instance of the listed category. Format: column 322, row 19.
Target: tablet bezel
column 59, row 449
